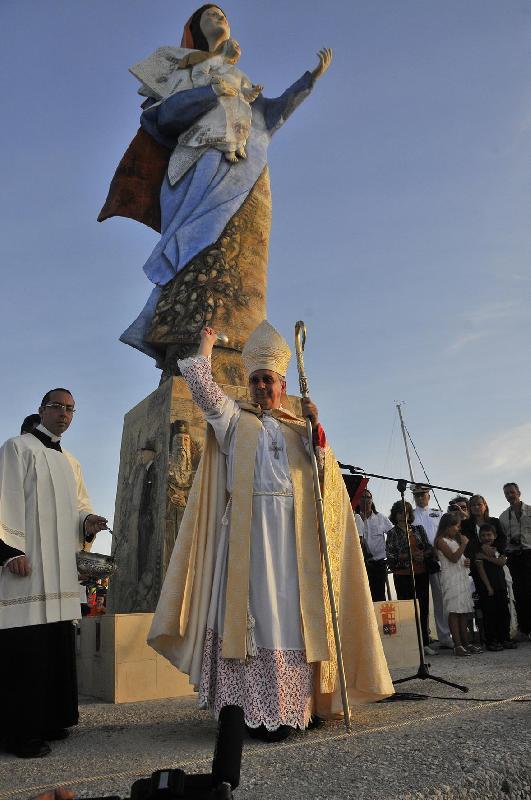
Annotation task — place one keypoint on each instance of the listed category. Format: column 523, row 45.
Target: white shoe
column 429, row 651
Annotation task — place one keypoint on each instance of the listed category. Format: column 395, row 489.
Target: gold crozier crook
column 300, row 341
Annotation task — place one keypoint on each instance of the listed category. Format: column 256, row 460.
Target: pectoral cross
column 276, row 448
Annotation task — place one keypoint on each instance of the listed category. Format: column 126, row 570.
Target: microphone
column 229, row 744
column 350, row 468
column 222, row 338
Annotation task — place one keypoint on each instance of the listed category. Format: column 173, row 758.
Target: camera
column 216, row 785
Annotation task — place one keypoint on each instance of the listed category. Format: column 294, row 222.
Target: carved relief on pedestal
column 185, row 454
column 146, row 523
column 180, row 463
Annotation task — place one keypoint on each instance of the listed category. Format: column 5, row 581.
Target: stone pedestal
column 114, row 662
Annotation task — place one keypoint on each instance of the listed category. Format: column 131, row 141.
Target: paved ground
column 451, row 746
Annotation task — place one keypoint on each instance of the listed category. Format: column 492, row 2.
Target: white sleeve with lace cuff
column 197, row 372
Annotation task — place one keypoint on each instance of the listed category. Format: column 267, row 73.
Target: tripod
column 422, row 672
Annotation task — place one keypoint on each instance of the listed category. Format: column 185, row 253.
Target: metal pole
column 388, row 586
column 300, row 339
column 398, row 405
column 359, row 471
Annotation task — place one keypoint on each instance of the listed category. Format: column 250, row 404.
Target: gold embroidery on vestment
column 272, row 494
column 12, row 531
column 333, row 514
column 39, row 598
column 238, row 563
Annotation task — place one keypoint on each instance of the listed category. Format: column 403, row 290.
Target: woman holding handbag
column 399, row 562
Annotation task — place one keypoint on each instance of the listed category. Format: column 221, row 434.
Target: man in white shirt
column 429, row 519
column 45, row 516
column 516, row 524
column 372, row 528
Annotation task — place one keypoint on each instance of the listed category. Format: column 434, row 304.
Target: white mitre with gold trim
column 266, row 349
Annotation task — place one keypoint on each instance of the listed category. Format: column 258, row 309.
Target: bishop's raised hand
column 208, row 340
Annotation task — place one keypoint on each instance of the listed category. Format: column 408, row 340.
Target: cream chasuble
column 43, row 504
column 180, row 623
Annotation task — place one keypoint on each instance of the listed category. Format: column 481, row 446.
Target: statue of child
column 227, row 126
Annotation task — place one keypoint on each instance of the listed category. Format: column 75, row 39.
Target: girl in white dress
column 457, row 598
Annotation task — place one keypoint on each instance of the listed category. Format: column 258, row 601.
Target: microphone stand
column 422, row 672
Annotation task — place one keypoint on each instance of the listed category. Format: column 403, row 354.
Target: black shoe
column 508, row 645
column 315, row 722
column 27, row 748
column 494, row 647
column 57, row 734
column 264, row 735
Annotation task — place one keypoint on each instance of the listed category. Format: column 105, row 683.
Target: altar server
column 45, row 515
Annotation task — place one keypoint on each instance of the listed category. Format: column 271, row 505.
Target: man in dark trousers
column 45, row 516
column 516, row 524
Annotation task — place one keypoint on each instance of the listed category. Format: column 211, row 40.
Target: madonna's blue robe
column 195, row 211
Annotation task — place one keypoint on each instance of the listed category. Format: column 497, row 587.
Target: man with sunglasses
column 45, row 516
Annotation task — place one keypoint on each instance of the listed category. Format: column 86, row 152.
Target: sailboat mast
column 398, row 406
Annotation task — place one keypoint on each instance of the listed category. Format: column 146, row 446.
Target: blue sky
column 400, row 223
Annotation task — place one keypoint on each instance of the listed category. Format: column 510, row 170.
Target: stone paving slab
column 452, row 746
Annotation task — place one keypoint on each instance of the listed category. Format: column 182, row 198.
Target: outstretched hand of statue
column 325, row 59
column 208, row 340
column 251, row 94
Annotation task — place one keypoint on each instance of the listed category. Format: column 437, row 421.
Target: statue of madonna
column 214, row 214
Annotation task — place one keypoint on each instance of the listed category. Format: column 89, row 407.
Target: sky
column 401, row 209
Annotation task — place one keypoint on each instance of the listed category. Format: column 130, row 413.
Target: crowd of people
column 477, row 566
